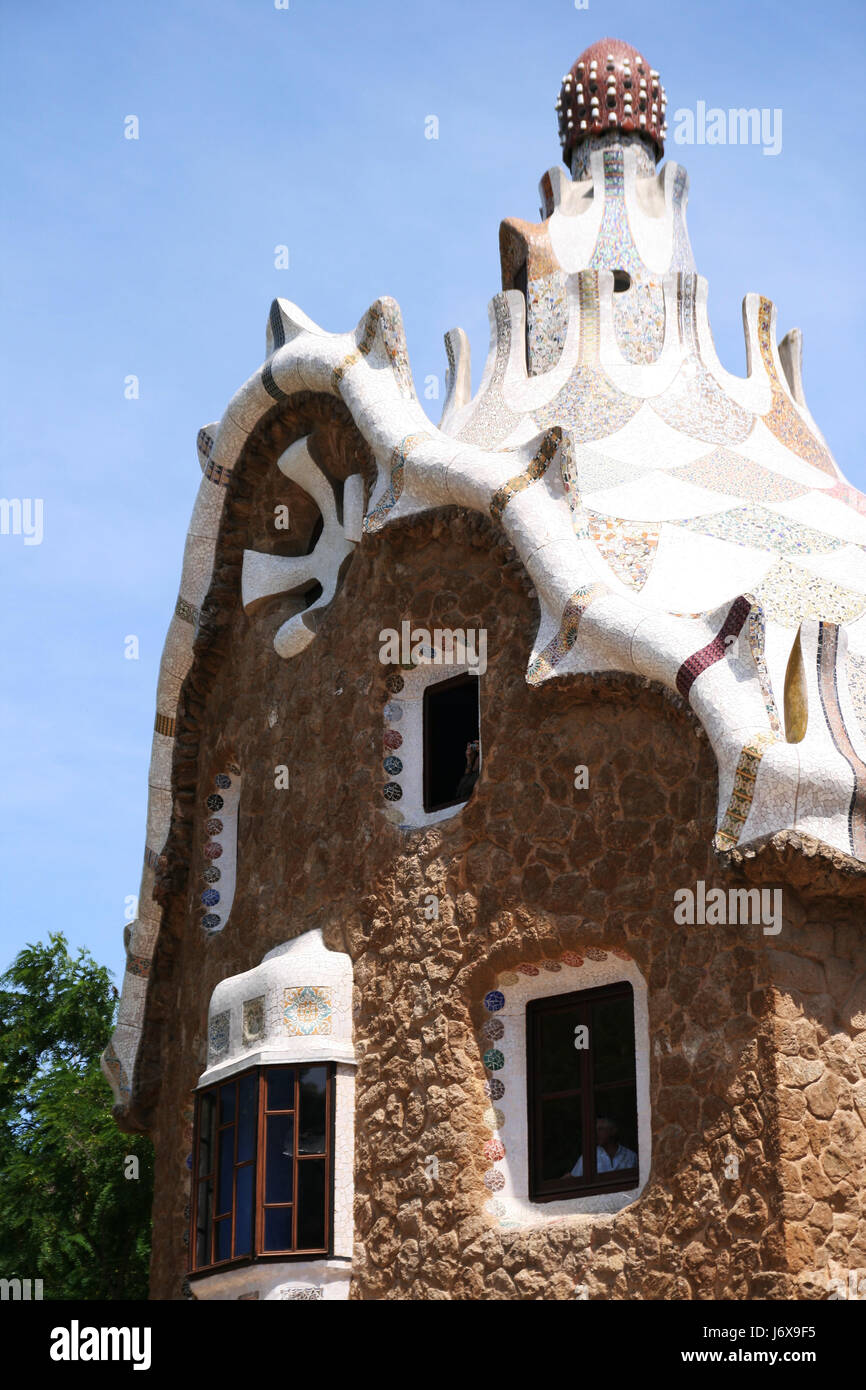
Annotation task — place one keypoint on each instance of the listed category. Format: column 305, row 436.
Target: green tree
column 68, row 1215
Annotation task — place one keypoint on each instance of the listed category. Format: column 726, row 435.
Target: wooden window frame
column 463, row 679
column 592, row 1183
column 258, row 1161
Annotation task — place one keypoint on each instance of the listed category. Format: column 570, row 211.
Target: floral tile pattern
column 218, row 1035
column 307, row 1011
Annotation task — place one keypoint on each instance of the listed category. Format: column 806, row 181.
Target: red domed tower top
column 611, row 88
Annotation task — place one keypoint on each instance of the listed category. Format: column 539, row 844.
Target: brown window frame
column 434, row 687
column 258, row 1162
column 591, row 1183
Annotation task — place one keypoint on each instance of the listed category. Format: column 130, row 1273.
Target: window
column 451, row 746
column 582, row 1093
column 263, row 1165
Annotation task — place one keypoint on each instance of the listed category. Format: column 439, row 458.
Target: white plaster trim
column 320, row 1280
column 306, row 1050
column 409, row 812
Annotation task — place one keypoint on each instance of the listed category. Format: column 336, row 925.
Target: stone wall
column 751, row 1056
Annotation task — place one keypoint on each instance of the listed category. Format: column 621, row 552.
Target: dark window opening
column 621, row 281
column 582, row 1093
column 452, row 752
column 262, row 1160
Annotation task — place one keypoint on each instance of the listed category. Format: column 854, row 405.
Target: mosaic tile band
column 379, row 515
column 218, row 473
column 740, row 802
column 714, row 651
column 186, row 612
column 535, row 469
column 546, row 662
column 756, row 635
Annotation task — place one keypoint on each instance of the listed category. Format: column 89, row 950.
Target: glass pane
column 561, row 1138
column 281, row 1089
column 244, row 1210
column 224, row 1187
column 224, row 1239
column 248, row 1088
column 203, row 1224
column 616, row 1129
column 207, row 1119
column 227, row 1103
column 560, row 1067
column 279, row 1158
column 611, row 1039
column 278, row 1228
column 311, row 1127
column 311, row 1204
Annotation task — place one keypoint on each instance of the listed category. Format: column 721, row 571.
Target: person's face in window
column 605, row 1134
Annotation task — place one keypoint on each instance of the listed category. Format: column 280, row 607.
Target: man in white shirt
column 609, row 1153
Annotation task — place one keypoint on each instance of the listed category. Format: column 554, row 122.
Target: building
column 501, row 925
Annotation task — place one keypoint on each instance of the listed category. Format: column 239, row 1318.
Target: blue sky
column 155, row 257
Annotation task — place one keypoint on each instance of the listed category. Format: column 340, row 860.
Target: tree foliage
column 68, row 1215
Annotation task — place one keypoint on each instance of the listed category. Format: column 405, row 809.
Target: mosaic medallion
column 218, row 1034
column 307, row 1011
column 211, row 874
column 254, row 1018
column 493, row 1059
column 494, row 1088
column 493, row 1029
column 213, row 850
column 493, row 1150
column 393, row 766
column 210, row 897
column 494, row 1001
column 595, row 953
column 494, row 1181
column 571, row 958
column 214, row 826
column 394, row 683
column 210, row 921
column 214, row 802
column 222, row 781
column 392, row 739
column 392, row 791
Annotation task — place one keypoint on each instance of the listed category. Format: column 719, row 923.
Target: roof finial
column 611, row 88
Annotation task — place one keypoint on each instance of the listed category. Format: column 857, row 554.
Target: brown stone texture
column 758, row 1073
